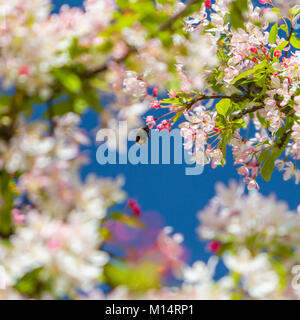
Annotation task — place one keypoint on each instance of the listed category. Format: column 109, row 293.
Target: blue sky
column 177, row 197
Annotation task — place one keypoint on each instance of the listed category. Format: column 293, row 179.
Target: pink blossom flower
column 252, row 184
column 53, row 244
column 230, row 73
column 18, row 217
column 24, row 70
column 155, row 104
column 277, row 54
column 243, row 171
column 207, row 4
column 155, row 92
column 214, row 246
column 165, row 124
column 150, row 122
column 134, row 206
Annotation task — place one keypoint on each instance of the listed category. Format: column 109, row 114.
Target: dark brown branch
column 247, row 110
column 105, row 66
column 289, row 39
column 201, row 98
column 176, row 16
column 131, row 50
column 283, row 140
column 7, row 131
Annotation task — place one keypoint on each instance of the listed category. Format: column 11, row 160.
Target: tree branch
column 247, row 110
column 105, row 66
column 176, row 16
column 285, row 137
column 201, row 98
column 166, row 25
column 289, row 38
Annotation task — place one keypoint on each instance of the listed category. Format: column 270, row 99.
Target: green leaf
column 263, row 155
column 267, row 169
column 284, row 27
column 268, row 158
column 32, row 284
column 281, row 272
column 222, row 147
column 130, row 221
column 170, row 100
column 288, row 125
column 238, row 123
column 273, row 33
column 69, row 80
column 178, row 115
column 295, row 42
column 138, row 277
column 7, row 193
column 61, row 108
column 243, row 75
column 237, row 8
column 80, row 105
column 223, row 107
column 281, row 46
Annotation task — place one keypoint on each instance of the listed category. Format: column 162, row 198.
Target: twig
column 176, row 16
column 105, row 66
column 247, row 110
column 201, row 98
column 131, row 50
column 286, row 136
column 289, row 39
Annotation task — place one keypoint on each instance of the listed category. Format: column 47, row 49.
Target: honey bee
column 142, row 135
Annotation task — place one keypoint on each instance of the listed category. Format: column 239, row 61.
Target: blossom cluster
column 33, row 42
column 56, row 225
column 257, row 239
column 253, row 74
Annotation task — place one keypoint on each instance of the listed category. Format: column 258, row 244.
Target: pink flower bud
column 150, row 122
column 277, row 54
column 243, row 171
column 207, row 4
column 18, row 217
column 24, row 70
column 155, row 92
column 252, row 185
column 155, row 104
column 214, row 246
column 134, row 207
